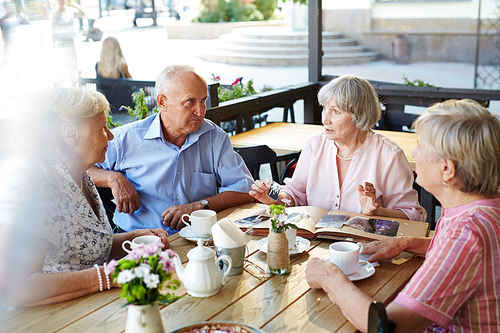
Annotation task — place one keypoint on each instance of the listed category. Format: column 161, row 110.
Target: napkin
column 226, row 234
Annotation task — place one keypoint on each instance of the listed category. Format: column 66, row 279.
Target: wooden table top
column 286, row 138
column 271, row 303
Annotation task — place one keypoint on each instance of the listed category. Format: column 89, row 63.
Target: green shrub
column 238, row 12
column 140, row 111
column 237, row 89
column 416, row 83
column 217, row 14
column 231, row 11
column 267, row 8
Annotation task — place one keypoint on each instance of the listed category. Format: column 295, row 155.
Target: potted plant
column 144, row 275
column 278, row 255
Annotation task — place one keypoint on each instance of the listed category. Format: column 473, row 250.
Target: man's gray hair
column 469, row 135
column 356, row 96
column 166, row 77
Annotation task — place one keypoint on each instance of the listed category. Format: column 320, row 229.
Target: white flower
column 152, row 280
column 141, row 271
column 125, row 276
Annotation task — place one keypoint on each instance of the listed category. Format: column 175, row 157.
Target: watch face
column 204, row 203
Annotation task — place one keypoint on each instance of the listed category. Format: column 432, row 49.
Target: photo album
column 315, row 222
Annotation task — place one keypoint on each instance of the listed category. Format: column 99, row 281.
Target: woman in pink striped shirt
column 457, row 289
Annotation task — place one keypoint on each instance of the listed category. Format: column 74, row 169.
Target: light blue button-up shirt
column 165, row 175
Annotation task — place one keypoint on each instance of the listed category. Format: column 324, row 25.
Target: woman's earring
column 445, row 183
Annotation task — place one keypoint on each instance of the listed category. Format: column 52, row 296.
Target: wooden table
column 286, row 138
column 272, row 303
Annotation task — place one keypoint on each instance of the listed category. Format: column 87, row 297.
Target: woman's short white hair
column 72, row 105
column 356, row 96
column 76, row 104
column 166, row 77
column 469, row 135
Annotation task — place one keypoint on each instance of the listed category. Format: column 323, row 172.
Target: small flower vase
column 144, row 319
column 278, row 256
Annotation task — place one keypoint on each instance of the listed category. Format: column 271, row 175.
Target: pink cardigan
column 379, row 161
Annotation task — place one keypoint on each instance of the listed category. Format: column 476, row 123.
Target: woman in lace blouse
column 72, row 230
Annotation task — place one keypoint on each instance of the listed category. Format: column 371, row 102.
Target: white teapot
column 202, row 275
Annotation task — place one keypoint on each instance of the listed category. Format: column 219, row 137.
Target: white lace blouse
column 78, row 238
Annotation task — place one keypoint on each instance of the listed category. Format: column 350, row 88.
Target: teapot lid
column 201, row 252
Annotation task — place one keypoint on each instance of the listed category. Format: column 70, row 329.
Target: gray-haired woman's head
column 74, row 106
column 469, row 135
column 356, row 96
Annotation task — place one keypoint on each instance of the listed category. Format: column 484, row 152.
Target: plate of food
column 217, row 327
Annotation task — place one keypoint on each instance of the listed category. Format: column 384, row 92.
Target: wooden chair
column 255, row 156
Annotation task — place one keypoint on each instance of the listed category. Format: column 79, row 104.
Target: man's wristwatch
column 204, row 203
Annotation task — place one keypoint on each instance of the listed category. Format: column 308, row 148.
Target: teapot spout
column 179, row 268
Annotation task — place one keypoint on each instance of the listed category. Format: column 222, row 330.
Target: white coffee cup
column 139, row 240
column 346, row 256
column 292, row 237
column 201, row 222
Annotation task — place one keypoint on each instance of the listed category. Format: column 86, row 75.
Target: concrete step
column 281, row 33
column 285, row 59
column 225, row 47
column 281, row 46
column 266, row 42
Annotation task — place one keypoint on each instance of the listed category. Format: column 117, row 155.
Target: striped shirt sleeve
column 457, row 284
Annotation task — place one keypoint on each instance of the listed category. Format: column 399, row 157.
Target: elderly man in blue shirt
column 174, row 162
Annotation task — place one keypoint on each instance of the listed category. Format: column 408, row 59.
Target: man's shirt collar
column 155, row 130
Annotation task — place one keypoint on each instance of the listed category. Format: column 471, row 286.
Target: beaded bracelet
column 99, row 275
column 107, row 277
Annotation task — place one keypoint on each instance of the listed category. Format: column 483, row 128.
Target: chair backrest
column 119, row 91
column 377, row 319
column 255, row 156
column 288, row 170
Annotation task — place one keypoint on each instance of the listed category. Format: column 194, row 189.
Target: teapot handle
column 229, row 265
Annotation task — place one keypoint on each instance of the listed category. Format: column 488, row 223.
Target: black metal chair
column 429, row 202
column 107, row 200
column 288, row 170
column 378, row 321
column 255, row 156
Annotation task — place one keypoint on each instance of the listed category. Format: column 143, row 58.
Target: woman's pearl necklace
column 344, row 158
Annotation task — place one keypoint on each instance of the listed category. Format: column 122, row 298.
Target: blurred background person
column 63, row 34
column 457, row 289
column 112, row 63
column 9, row 23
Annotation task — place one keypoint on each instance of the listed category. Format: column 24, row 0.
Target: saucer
column 301, row 245
column 188, row 234
column 364, row 270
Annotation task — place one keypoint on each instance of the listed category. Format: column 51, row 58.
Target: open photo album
column 315, row 222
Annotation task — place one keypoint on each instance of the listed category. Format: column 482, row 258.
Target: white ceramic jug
column 202, row 276
column 144, row 319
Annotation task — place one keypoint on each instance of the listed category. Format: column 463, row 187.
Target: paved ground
column 148, row 50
